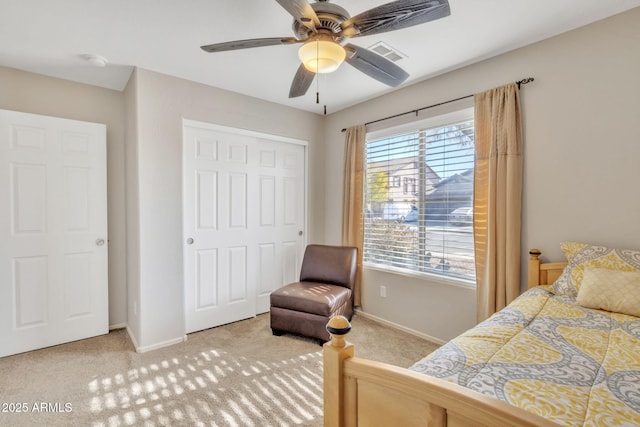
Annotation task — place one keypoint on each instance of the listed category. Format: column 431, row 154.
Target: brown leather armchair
column 325, row 289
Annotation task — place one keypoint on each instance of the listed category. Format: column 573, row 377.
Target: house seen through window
column 425, row 225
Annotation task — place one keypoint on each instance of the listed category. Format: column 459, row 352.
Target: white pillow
column 611, row 290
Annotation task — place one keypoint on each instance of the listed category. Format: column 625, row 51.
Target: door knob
column 300, row 233
column 189, row 241
column 99, row 242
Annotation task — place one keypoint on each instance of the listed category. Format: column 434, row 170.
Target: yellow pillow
column 582, row 255
column 611, row 290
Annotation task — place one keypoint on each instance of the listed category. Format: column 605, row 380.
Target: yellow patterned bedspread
column 544, row 353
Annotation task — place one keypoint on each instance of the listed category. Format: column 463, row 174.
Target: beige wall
column 144, row 177
column 161, row 102
column 37, row 94
column 133, row 209
column 580, row 166
column 580, row 162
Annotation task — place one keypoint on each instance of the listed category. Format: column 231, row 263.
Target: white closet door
column 244, row 218
column 53, row 231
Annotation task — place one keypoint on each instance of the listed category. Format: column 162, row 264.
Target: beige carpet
column 233, row 375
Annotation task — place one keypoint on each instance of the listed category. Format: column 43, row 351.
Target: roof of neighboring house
column 456, row 187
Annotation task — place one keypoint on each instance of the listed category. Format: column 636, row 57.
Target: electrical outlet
column 383, row 291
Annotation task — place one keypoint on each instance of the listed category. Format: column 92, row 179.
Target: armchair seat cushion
column 311, row 297
column 324, row 289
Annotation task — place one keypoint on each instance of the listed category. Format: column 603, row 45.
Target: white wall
column 37, row 94
column 580, row 161
column 159, row 104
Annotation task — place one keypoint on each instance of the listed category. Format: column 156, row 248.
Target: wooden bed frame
column 361, row 392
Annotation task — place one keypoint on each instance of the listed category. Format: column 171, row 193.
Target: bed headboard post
column 543, row 273
column 534, row 268
column 334, row 353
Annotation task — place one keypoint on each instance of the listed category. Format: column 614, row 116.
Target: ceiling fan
column 323, row 28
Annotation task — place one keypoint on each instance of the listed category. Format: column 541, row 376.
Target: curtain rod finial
column 524, row 81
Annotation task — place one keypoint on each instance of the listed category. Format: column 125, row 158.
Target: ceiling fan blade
column 302, row 12
column 395, row 16
column 301, row 82
column 249, row 43
column 374, row 65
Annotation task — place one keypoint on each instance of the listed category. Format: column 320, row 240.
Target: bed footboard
column 360, row 392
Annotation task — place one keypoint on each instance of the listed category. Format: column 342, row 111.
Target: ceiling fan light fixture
column 322, row 28
column 321, row 56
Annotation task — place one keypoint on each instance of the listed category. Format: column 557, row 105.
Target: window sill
column 450, row 281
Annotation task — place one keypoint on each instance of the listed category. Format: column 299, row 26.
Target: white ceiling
column 52, row 37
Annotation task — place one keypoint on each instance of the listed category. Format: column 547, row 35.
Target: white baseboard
column 132, row 338
column 157, row 345
column 117, row 326
column 359, row 312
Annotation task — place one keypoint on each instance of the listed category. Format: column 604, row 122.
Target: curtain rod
column 519, row 83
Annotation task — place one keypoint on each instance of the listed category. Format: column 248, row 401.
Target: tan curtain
column 497, row 197
column 352, row 197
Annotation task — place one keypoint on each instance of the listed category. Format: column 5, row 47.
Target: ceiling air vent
column 383, row 49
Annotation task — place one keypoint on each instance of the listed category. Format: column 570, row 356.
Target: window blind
column 418, row 201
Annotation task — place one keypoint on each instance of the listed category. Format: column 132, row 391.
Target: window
column 431, row 231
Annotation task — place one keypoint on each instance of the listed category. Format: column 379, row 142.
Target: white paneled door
column 244, row 219
column 53, row 231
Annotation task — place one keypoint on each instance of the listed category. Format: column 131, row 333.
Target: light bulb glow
column 321, row 56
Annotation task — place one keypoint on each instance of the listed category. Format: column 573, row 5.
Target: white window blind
column 423, row 226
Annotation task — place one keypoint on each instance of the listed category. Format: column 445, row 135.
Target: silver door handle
column 99, row 242
column 189, row 241
column 300, row 233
